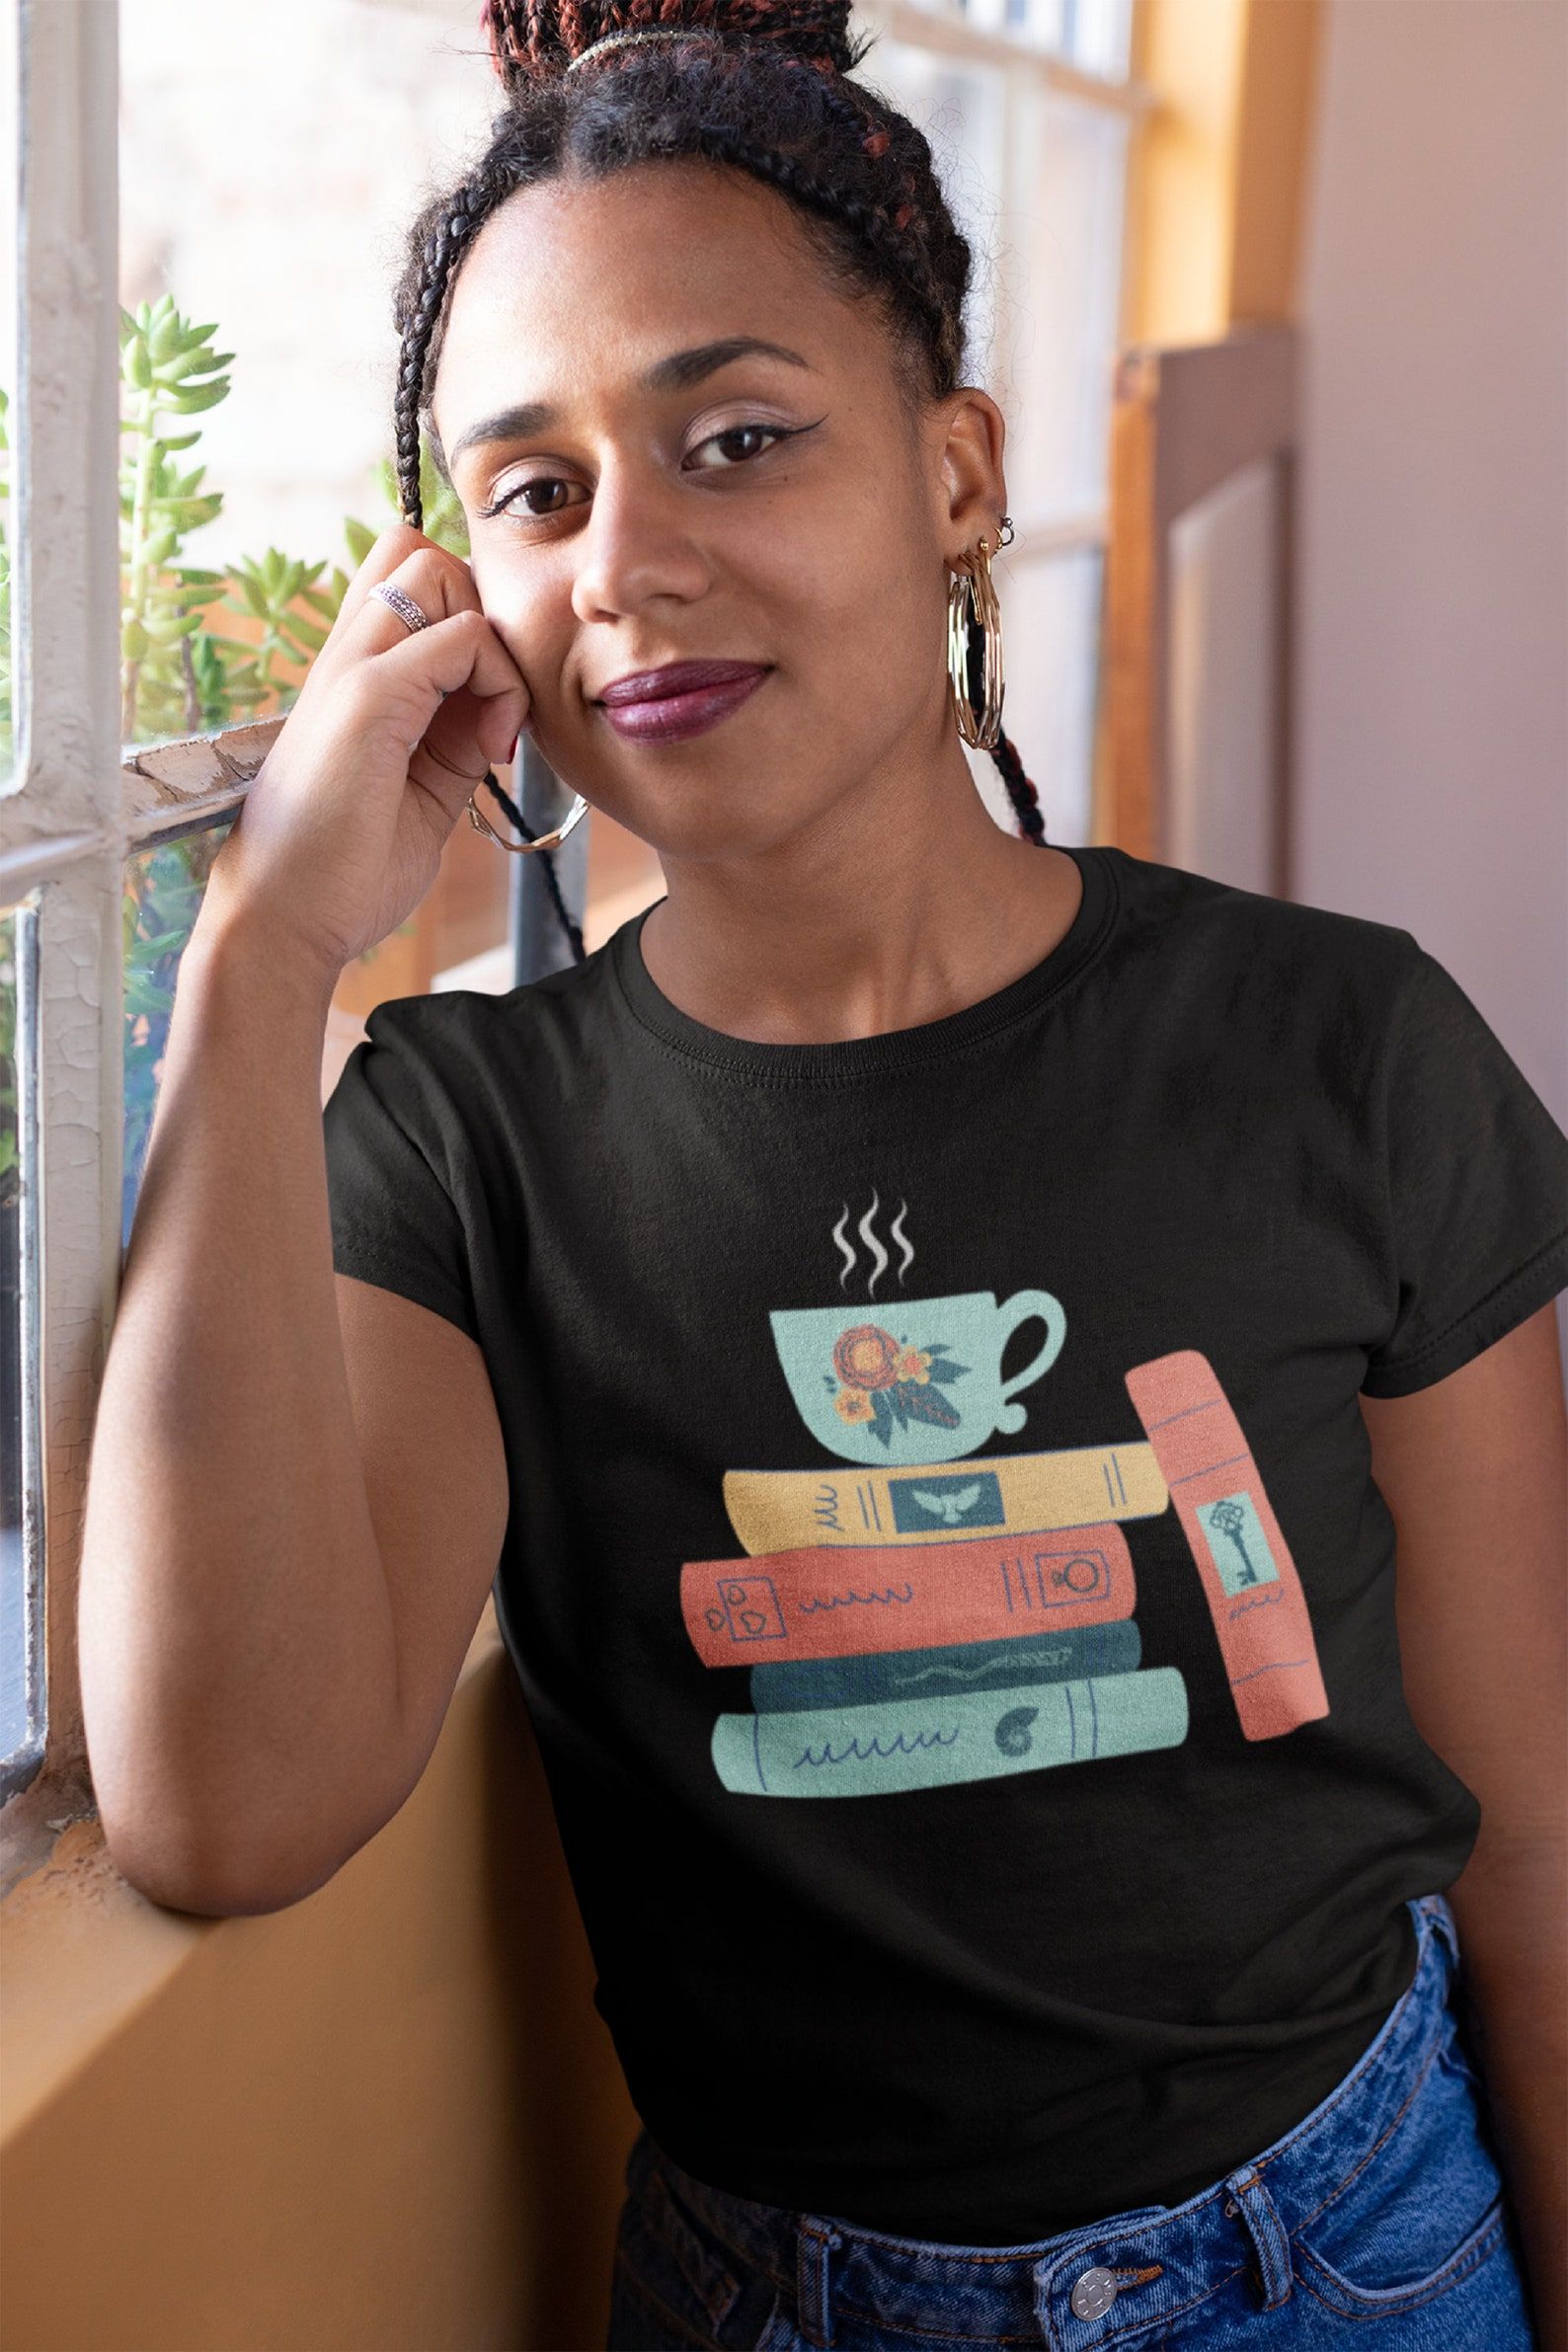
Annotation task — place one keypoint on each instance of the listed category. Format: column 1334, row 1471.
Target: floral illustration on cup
column 924, row 1386
column 884, row 1384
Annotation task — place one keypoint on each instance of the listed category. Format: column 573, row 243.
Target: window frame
column 81, row 804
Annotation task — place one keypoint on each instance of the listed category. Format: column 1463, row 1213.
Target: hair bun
column 532, row 42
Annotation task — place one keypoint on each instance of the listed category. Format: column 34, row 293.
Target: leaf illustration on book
column 944, row 1371
column 927, row 1404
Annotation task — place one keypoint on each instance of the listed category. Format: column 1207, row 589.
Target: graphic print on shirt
column 930, row 1616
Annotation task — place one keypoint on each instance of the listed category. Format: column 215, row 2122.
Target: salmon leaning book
column 1244, row 1564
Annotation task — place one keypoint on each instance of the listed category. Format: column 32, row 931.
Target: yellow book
column 1013, row 1494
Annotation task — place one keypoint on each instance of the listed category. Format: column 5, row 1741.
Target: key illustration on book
column 1248, row 1576
column 930, row 1615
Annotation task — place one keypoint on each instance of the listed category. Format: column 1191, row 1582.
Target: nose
column 638, row 544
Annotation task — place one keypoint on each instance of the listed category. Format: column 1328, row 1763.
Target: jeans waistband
column 1154, row 2261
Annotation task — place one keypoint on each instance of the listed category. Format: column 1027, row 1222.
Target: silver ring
column 402, row 603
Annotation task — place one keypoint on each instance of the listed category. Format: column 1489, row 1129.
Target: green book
column 869, row 1751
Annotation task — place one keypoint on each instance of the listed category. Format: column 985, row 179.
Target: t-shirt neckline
column 892, row 1049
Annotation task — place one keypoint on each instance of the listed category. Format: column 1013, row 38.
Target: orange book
column 833, row 1601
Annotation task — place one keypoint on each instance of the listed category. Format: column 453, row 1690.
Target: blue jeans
column 1386, row 2206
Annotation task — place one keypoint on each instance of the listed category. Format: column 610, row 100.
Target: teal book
column 869, row 1751
column 955, row 1668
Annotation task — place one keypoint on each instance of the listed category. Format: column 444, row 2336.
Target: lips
column 676, row 678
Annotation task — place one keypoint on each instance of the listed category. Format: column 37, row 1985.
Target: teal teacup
column 918, row 1380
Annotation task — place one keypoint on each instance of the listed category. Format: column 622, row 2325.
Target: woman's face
column 767, row 506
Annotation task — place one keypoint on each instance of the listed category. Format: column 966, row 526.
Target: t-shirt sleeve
column 1477, row 1187
column 394, row 1221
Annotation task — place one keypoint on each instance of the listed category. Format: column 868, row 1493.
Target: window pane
column 1050, row 626
column 9, row 261
column 286, row 243
column 1095, row 34
column 282, row 240
column 1066, row 230
column 1098, row 35
column 21, row 1613
column 163, row 889
column 962, row 111
column 163, row 896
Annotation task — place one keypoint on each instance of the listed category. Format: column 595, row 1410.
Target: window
column 1034, row 153
column 135, row 739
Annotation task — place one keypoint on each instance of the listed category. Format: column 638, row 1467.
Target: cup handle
column 1013, row 1311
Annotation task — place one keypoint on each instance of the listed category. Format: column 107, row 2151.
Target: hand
column 341, row 832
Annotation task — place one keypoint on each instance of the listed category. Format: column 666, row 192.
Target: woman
column 900, row 1314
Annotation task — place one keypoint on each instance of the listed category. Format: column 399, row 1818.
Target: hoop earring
column 482, row 824
column 976, row 584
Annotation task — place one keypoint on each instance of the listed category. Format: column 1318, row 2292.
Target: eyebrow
column 677, row 373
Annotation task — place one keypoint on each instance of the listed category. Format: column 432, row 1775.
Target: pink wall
column 1432, row 753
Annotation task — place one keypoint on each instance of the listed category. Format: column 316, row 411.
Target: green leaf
column 189, row 364
column 193, row 512
column 208, row 396
column 140, row 996
column 170, row 631
column 360, row 537
column 166, row 336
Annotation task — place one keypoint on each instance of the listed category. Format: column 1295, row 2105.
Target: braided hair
column 764, row 91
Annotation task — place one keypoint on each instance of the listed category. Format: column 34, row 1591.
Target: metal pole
column 539, row 944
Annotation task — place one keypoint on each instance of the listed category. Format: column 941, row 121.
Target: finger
column 389, row 558
column 464, row 720
column 462, row 651
column 450, row 786
column 436, row 584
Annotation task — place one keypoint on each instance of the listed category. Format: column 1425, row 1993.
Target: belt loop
column 1271, row 2240
column 813, row 2313
column 1441, row 1913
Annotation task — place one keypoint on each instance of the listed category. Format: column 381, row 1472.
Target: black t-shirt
column 943, row 1569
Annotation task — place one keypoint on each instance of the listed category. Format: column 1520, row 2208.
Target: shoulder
column 1220, row 919
column 1259, row 949
column 473, row 1045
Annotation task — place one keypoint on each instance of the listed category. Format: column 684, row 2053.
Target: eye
column 522, row 490
column 731, row 433
column 736, row 433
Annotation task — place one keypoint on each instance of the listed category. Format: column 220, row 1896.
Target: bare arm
column 291, row 1522
column 286, row 1548
column 1475, row 1472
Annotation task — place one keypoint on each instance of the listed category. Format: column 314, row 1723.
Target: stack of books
column 959, row 1617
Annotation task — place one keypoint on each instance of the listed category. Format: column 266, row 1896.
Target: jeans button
column 1094, row 2293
